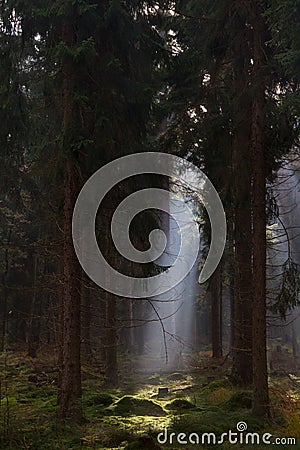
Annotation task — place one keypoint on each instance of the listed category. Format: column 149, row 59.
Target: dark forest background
column 81, row 84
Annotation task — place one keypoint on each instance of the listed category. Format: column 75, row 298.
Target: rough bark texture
column 70, row 376
column 242, row 297
column 260, row 378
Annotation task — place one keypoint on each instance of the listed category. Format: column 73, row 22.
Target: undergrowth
column 131, row 417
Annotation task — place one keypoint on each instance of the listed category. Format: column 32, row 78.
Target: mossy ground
column 131, row 417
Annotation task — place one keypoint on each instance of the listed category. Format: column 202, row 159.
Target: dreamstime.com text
column 239, row 436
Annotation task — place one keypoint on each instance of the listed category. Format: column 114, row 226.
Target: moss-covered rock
column 138, row 406
column 217, row 385
column 101, row 399
column 240, row 399
column 179, row 404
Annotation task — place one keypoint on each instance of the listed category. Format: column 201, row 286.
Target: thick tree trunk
column 70, row 375
column 260, row 376
column 242, row 297
column 216, row 312
column 70, row 382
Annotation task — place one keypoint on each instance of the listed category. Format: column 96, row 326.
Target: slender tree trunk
column 127, row 325
column 110, row 337
column 33, row 336
column 70, row 375
column 5, row 294
column 111, row 366
column 139, row 331
column 216, row 312
column 86, row 325
column 260, row 375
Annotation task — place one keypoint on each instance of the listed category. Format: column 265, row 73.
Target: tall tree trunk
column 216, row 312
column 33, row 335
column 5, row 294
column 70, row 374
column 139, row 330
column 126, row 331
column 260, row 376
column 70, row 379
column 111, row 366
column 242, row 297
column 86, row 347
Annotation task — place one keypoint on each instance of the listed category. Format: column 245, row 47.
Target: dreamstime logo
column 241, row 426
column 102, row 181
column 233, row 437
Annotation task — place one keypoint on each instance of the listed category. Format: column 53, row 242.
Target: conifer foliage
column 85, row 82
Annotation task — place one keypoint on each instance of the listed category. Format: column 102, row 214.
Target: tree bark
column 241, row 373
column 70, row 374
column 260, row 375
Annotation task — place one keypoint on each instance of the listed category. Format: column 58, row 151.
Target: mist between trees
column 217, row 83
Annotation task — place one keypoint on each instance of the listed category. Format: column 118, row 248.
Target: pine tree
column 13, row 140
column 211, row 81
column 216, row 88
column 99, row 63
column 260, row 378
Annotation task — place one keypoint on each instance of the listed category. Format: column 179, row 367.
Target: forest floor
column 200, row 401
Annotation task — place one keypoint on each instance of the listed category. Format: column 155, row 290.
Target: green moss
column 214, row 385
column 100, row 399
column 8, row 402
column 240, row 399
column 200, row 422
column 145, row 443
column 138, row 406
column 179, row 404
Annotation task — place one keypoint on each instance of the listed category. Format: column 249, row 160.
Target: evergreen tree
column 99, row 62
column 221, row 81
